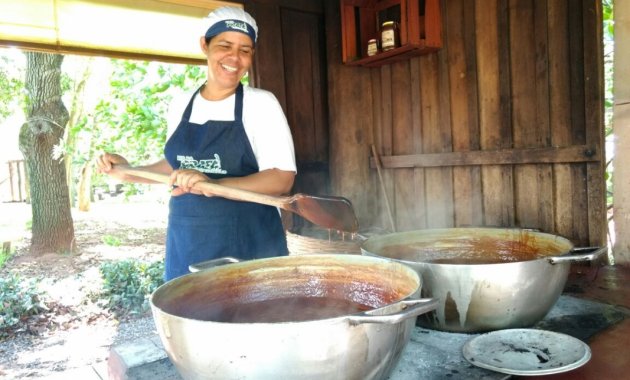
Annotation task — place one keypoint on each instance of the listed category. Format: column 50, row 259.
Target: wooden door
column 291, row 62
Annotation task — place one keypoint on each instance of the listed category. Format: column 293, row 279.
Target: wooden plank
column 571, row 154
column 299, row 5
column 493, row 84
column 91, row 52
column 416, row 120
column 545, row 172
column 459, row 22
column 594, row 96
column 348, row 42
column 436, row 138
column 269, row 49
column 560, row 113
column 525, row 129
column 382, row 144
column 318, row 74
column 446, row 142
column 300, row 91
column 387, row 133
column 433, row 28
column 621, row 116
column 308, row 120
column 349, row 145
column 580, row 234
column 476, row 191
column 402, row 143
column 209, row 4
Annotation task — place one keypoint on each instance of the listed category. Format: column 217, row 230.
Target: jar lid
column 387, row 23
column 372, row 40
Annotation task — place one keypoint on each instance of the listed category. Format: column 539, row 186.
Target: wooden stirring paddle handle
column 216, row 189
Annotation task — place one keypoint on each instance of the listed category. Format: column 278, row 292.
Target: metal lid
column 526, row 352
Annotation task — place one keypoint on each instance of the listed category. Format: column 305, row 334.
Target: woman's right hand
column 106, row 161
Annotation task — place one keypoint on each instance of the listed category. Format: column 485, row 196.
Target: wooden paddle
column 326, row 211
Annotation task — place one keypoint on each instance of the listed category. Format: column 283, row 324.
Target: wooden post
column 621, row 118
column 6, row 248
column 11, row 180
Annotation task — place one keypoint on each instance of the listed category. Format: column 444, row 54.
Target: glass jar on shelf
column 390, row 35
column 372, row 47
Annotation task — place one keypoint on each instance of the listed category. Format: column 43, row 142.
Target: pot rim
column 556, row 258
column 347, row 318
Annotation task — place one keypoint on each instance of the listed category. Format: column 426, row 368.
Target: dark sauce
column 294, row 309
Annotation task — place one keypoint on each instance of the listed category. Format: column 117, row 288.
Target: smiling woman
column 144, row 29
column 217, row 136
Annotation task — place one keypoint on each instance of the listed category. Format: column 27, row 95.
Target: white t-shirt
column 265, row 124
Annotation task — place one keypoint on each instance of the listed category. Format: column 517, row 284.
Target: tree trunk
column 46, row 118
column 621, row 118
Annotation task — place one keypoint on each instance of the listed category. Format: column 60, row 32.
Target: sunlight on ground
column 72, row 349
column 148, row 211
column 82, row 332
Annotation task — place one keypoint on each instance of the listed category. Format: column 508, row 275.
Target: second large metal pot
column 485, row 278
column 205, row 342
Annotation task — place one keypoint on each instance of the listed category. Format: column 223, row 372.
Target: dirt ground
column 77, row 330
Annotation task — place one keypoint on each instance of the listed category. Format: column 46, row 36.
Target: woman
column 226, row 134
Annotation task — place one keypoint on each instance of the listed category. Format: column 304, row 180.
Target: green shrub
column 4, row 257
column 128, row 284
column 18, row 298
column 111, row 241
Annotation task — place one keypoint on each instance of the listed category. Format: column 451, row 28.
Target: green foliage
column 609, row 51
column 11, row 83
column 18, row 299
column 111, row 241
column 131, row 120
column 608, row 18
column 4, row 257
column 128, row 284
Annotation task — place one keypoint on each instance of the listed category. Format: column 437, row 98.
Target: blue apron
column 202, row 228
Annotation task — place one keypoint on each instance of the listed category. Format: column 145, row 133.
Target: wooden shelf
column 420, row 29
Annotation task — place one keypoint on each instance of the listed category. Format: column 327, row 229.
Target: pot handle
column 396, row 312
column 576, row 255
column 212, row 263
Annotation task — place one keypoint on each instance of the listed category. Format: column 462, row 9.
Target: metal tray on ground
column 526, row 352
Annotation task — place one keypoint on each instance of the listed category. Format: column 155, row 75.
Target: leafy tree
column 59, row 145
column 131, row 119
column 46, row 118
column 11, row 85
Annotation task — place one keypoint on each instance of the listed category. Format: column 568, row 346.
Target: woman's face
column 229, row 56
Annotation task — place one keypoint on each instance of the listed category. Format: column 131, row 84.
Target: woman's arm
column 106, row 163
column 271, row 182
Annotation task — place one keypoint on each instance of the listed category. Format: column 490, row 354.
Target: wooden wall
column 502, row 127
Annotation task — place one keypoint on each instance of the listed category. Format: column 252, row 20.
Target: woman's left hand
column 183, row 181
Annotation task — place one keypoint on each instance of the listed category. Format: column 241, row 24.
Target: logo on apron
column 212, row 166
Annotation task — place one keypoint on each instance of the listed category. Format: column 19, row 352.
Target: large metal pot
column 336, row 345
column 485, row 278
